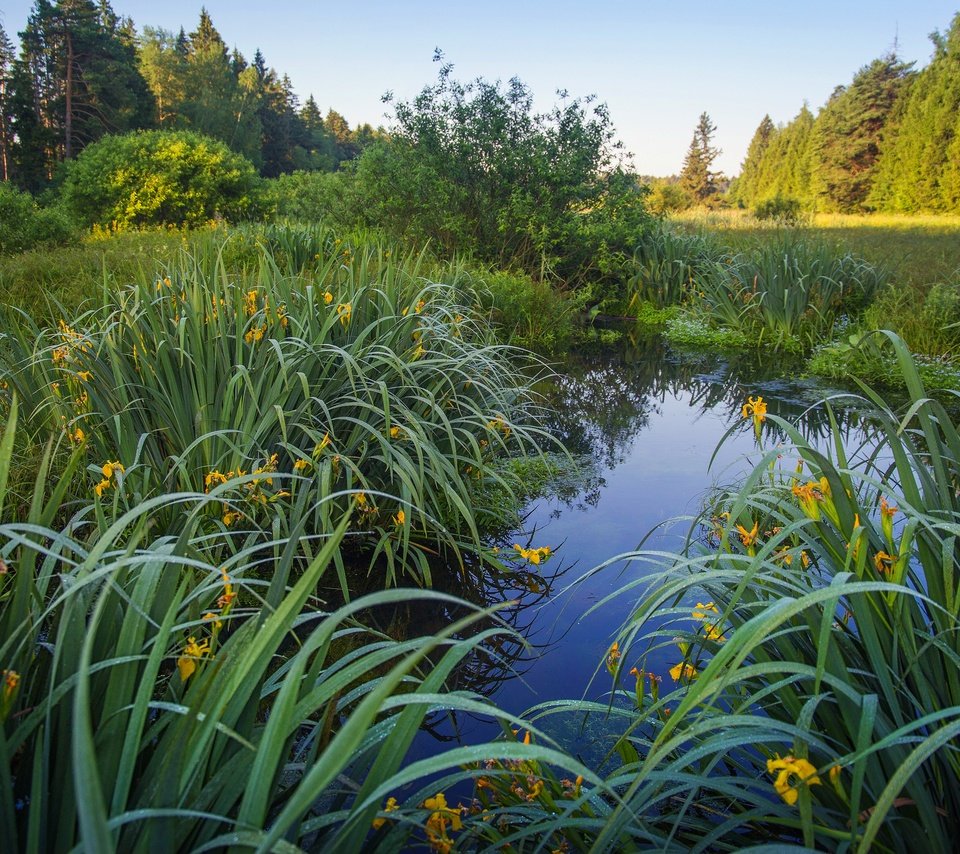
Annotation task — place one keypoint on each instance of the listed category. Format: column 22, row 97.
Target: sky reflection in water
column 652, row 421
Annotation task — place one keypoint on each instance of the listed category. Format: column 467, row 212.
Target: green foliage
column 868, row 357
column 52, row 283
column 848, row 133
column 274, row 389
column 918, row 169
column 313, row 197
column 886, row 142
column 527, row 312
column 690, row 330
column 744, row 186
column 75, row 81
column 782, row 210
column 159, row 178
column 790, row 292
column 24, row 225
column 666, row 198
column 665, row 265
column 778, row 162
column 927, row 318
column 471, row 168
column 182, row 692
column 697, row 178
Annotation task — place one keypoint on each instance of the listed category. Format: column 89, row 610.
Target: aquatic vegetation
column 835, row 600
column 162, row 699
column 259, row 390
column 667, row 263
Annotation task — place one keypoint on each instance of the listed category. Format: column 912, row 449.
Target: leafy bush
column 666, row 198
column 312, row 197
column 472, row 169
column 24, row 225
column 783, row 210
column 159, row 178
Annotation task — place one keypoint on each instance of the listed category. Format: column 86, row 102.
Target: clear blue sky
column 657, row 64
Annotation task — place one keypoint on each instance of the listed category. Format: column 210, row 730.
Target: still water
column 649, row 420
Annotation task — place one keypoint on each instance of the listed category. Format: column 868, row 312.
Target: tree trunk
column 68, row 118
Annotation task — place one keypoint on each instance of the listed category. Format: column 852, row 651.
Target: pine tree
column 6, row 104
column 76, row 79
column 848, row 132
column 744, row 190
column 697, row 179
column 318, row 150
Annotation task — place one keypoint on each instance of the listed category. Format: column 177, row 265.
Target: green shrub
column 472, row 169
column 159, row 178
column 666, row 198
column 524, row 311
column 782, row 210
column 24, row 225
column 312, row 197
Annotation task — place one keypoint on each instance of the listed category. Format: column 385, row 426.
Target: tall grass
column 667, row 263
column 271, row 390
column 154, row 699
column 815, row 628
column 788, row 292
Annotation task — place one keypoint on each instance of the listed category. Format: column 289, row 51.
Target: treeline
column 890, row 141
column 82, row 72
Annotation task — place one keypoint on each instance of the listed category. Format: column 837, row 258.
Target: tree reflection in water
column 600, row 403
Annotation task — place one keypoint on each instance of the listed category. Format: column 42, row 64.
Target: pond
column 650, row 420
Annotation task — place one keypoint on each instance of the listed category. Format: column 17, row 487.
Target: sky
column 656, row 64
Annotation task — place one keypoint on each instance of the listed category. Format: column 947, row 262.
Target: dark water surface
column 650, row 420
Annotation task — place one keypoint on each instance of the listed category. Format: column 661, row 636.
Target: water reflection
column 606, row 394
column 649, row 418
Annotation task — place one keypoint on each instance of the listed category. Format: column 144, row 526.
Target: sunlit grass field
column 919, row 250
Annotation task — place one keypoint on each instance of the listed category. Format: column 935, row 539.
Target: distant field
column 918, row 250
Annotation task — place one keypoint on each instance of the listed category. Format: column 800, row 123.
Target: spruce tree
column 849, row 130
column 919, row 168
column 744, row 190
column 697, row 179
column 218, row 102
